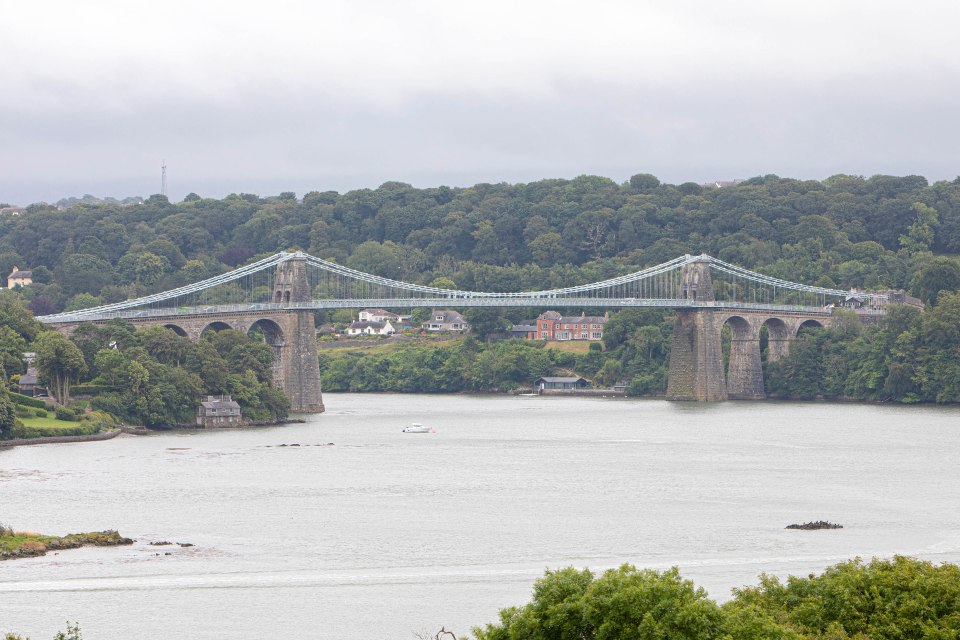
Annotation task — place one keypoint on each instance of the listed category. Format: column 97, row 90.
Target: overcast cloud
column 297, row 96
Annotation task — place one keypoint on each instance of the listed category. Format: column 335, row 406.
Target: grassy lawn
column 569, row 346
column 10, row 540
column 48, row 423
column 384, row 346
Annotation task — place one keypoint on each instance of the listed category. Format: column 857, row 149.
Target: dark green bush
column 63, row 413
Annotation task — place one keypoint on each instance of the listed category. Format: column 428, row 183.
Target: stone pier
column 697, row 369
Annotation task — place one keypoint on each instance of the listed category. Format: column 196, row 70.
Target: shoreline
column 93, row 437
column 612, row 394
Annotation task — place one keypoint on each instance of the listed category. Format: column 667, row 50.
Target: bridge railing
column 413, row 303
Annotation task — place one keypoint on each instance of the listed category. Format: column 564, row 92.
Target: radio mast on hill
column 163, row 178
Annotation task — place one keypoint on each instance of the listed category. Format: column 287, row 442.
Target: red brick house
column 553, row 326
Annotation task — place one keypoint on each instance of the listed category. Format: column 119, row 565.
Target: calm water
column 382, row 534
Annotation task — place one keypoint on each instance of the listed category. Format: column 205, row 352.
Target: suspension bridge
column 279, row 295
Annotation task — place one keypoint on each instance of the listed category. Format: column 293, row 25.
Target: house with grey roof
column 445, row 320
column 551, row 325
column 219, row 411
column 551, row 383
column 27, row 385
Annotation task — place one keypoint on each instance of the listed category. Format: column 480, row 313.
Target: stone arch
column 216, row 325
column 273, row 335
column 744, row 371
column 779, row 336
column 286, row 297
column 808, row 324
column 177, row 329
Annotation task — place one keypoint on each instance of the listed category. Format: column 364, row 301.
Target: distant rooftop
column 719, row 184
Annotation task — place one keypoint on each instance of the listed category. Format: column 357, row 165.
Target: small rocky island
column 28, row 544
column 815, row 526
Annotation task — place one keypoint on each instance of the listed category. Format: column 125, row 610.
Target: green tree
column 12, row 346
column 486, row 321
column 8, row 419
column 919, row 237
column 939, row 274
column 82, row 300
column 165, row 345
column 15, row 316
column 59, row 362
column 149, row 267
column 83, row 273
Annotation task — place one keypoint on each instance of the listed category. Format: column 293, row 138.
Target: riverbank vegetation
column 72, row 633
column 154, row 377
column 27, row 544
column 908, row 357
column 896, row 599
column 150, row 376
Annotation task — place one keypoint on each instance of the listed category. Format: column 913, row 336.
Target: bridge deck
column 408, row 303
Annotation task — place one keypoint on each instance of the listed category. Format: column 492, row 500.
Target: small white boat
column 416, row 427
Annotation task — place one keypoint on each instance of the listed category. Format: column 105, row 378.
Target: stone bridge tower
column 296, row 368
column 696, row 357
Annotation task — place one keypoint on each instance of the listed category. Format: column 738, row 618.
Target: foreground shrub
column 900, row 599
column 622, row 604
column 897, row 599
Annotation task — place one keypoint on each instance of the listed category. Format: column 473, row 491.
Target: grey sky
column 296, row 96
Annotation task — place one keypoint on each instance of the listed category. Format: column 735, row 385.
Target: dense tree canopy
column 849, row 230
column 155, row 377
column 897, row 599
column 845, row 231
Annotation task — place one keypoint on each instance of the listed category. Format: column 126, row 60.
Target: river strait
column 364, row 532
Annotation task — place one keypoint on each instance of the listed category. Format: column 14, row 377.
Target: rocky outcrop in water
column 814, row 526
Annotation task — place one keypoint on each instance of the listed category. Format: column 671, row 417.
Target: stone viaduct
column 697, row 369
column 290, row 332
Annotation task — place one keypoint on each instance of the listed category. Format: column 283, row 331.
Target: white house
column 370, row 328
column 382, row 315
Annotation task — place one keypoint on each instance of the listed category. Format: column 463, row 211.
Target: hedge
column 27, row 401
column 81, row 429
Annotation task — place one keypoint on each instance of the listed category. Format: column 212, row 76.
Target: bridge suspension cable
column 337, row 286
